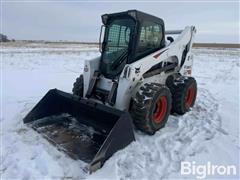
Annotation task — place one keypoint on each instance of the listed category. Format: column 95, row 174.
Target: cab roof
column 134, row 14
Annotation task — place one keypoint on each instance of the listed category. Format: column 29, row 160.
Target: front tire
column 151, row 107
column 78, row 86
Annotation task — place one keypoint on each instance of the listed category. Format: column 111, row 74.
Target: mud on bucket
column 83, row 129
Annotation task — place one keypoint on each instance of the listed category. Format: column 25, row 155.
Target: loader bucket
column 84, row 129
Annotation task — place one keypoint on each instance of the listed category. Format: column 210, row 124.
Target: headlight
column 132, row 13
column 104, row 18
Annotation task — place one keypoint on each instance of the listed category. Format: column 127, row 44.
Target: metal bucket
column 84, row 129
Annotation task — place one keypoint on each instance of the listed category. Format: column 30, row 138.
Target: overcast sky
column 81, row 21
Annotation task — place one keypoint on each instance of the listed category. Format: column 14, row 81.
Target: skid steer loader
column 141, row 77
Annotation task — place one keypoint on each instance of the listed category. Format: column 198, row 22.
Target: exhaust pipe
column 84, row 129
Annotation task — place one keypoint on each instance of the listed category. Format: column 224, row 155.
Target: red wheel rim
column 160, row 109
column 189, row 96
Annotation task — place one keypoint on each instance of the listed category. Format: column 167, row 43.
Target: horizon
column 216, row 22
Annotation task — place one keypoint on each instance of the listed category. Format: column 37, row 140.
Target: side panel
column 89, row 67
column 186, row 68
column 124, row 93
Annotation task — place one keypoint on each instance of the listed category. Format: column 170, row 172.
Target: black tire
column 78, row 86
column 151, row 100
column 184, row 93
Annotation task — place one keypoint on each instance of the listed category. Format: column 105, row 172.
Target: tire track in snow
column 183, row 136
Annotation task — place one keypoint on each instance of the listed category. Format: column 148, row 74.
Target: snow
column 210, row 132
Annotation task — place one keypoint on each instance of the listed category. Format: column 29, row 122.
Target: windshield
column 115, row 50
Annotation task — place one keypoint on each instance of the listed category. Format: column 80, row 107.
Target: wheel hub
column 189, row 96
column 160, row 109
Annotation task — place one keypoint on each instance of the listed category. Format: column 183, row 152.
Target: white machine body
column 132, row 75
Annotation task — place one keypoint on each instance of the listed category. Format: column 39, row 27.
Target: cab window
column 151, row 35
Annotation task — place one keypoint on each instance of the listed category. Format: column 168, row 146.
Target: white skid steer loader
column 141, row 76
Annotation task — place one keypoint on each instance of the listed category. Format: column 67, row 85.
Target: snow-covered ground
column 210, row 132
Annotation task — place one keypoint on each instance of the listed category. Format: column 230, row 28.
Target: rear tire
column 78, row 86
column 151, row 107
column 184, row 92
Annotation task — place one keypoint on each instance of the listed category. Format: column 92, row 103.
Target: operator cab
column 129, row 36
